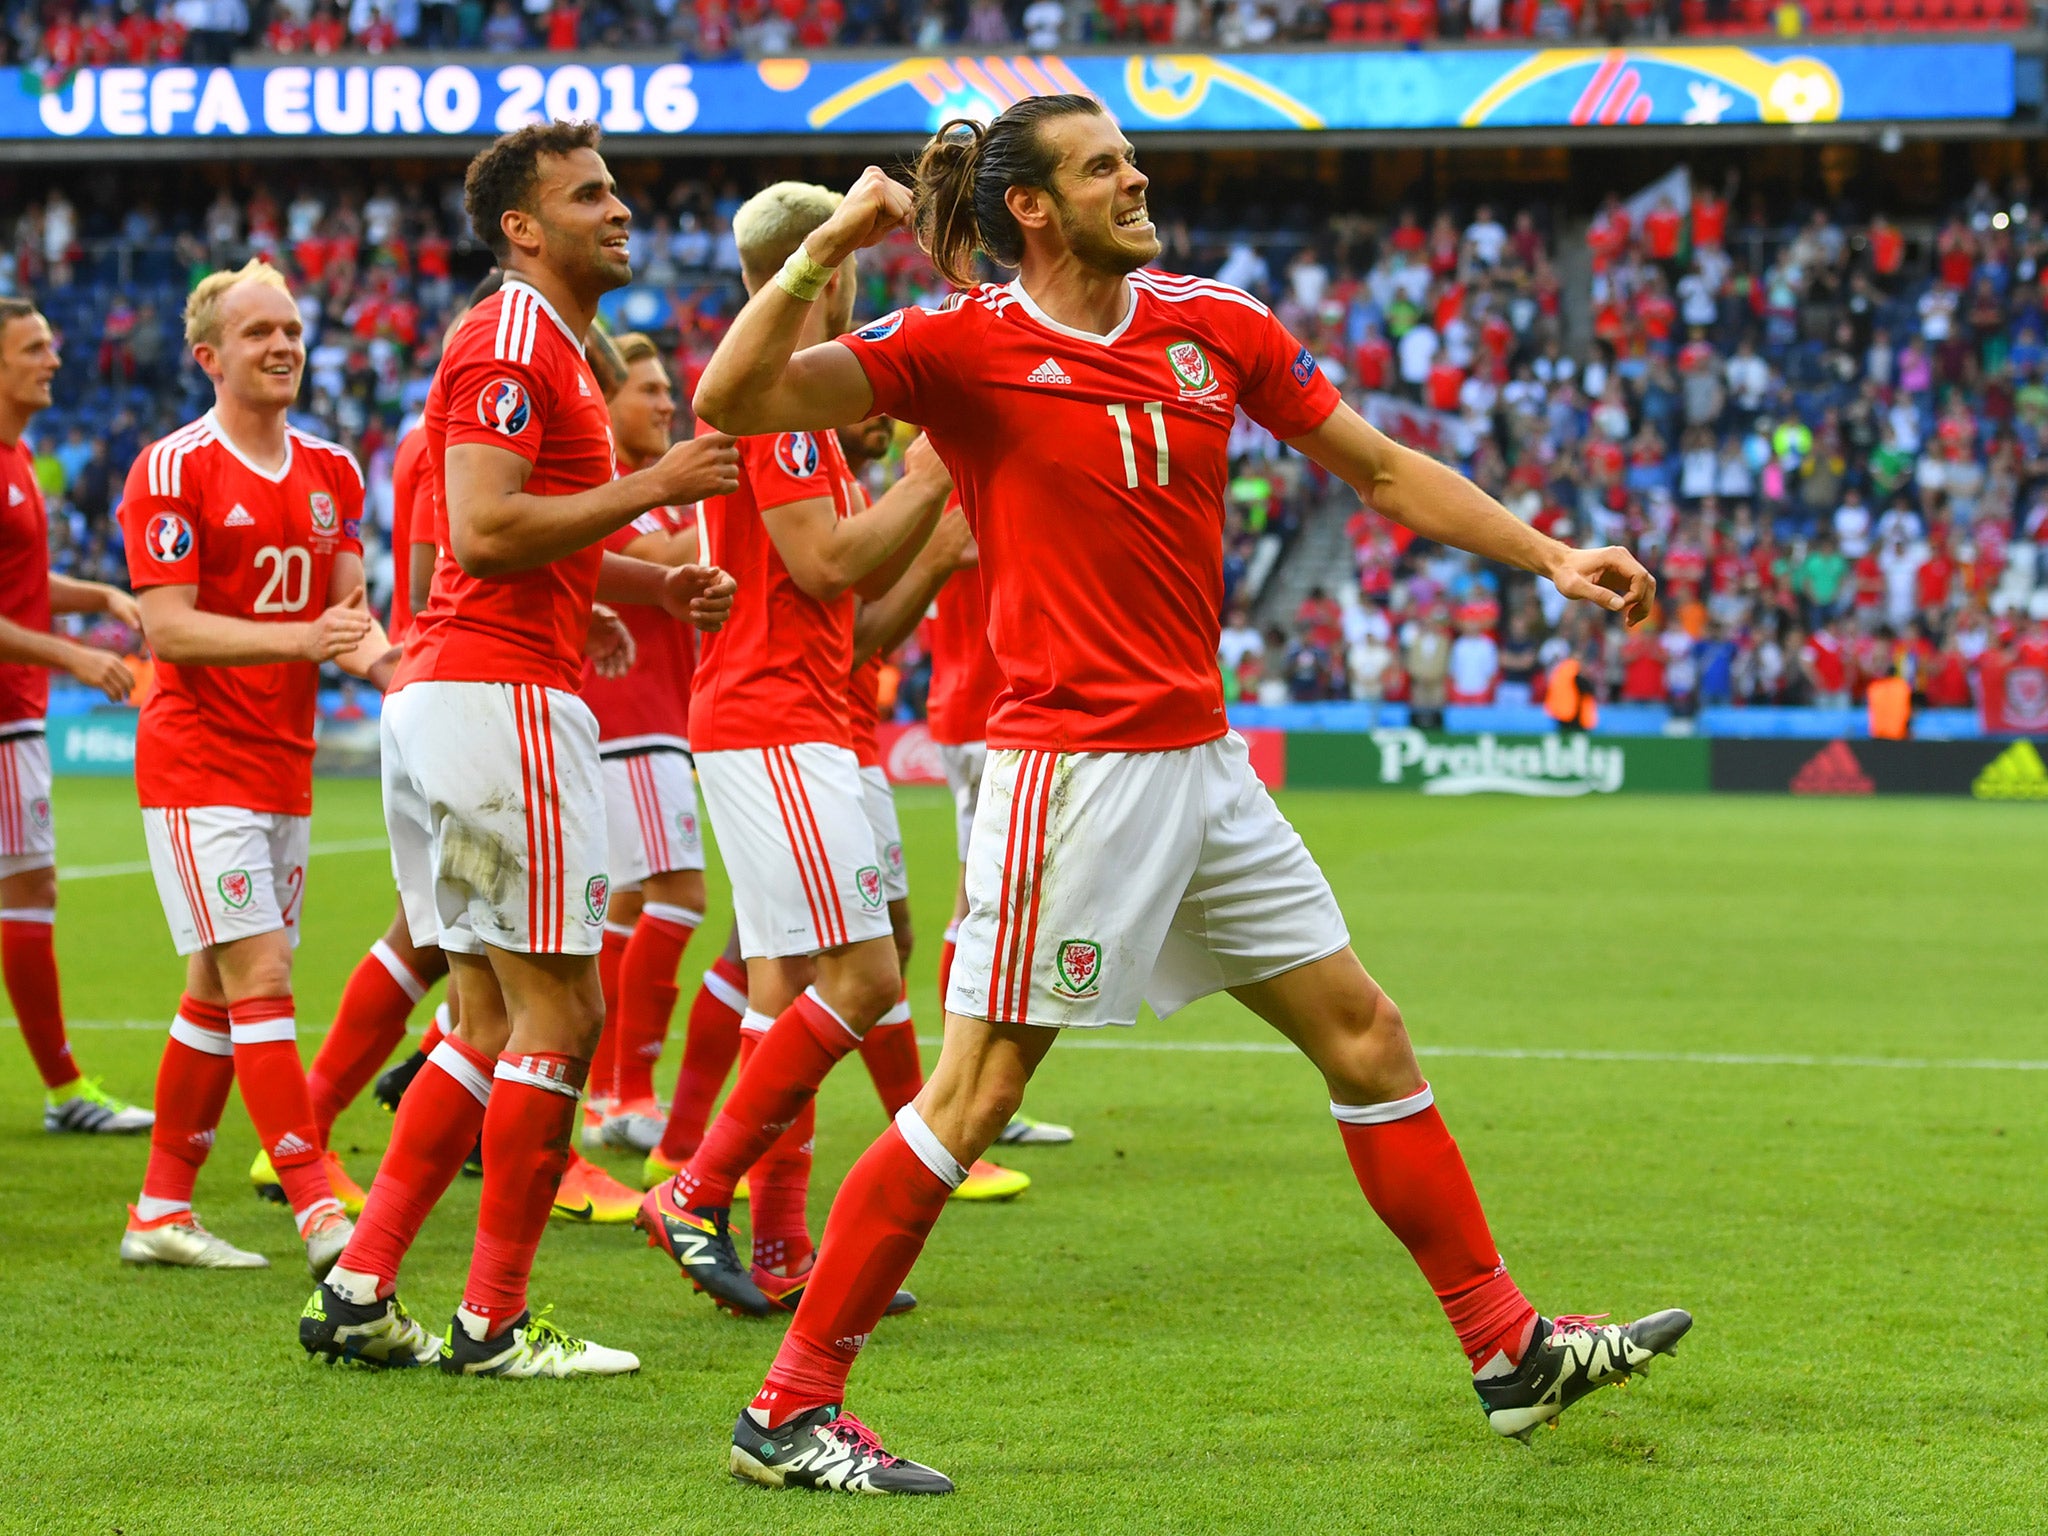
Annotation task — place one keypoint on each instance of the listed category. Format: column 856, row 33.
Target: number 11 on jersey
column 1156, row 409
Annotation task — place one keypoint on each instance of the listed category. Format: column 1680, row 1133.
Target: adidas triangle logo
column 1048, row 372
column 291, row 1144
column 16, row 495
column 239, row 518
column 2017, row 773
column 1833, row 771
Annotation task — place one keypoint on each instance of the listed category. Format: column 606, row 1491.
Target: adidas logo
column 2017, row 773
column 1047, row 372
column 239, row 518
column 291, row 1144
column 1833, row 771
column 582, row 386
column 16, row 495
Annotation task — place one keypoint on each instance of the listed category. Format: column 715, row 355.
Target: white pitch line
column 1517, row 1053
column 141, row 866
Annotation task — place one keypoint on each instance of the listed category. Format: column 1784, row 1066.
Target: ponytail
column 966, row 170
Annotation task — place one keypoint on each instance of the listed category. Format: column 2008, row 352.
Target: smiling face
column 28, row 362
column 1094, row 206
column 643, row 412
column 576, row 225
column 261, row 353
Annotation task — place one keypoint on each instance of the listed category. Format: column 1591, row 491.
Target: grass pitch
column 1192, row 1322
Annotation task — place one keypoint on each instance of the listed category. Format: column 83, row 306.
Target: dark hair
column 502, row 177
column 965, row 171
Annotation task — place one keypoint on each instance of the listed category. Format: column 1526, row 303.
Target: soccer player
column 769, row 725
column 242, row 535
column 493, row 790
column 29, row 594
column 965, row 682
column 889, row 1050
column 1123, row 848
column 643, row 724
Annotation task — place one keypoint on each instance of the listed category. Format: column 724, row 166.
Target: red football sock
column 781, row 1185
column 274, row 1091
column 710, row 1041
column 367, row 1028
column 526, row 1147
column 946, row 949
column 1415, row 1178
column 437, row 1125
column 647, row 996
column 192, row 1083
column 28, row 960
column 775, row 1085
column 889, row 1051
column 878, row 1225
column 609, row 959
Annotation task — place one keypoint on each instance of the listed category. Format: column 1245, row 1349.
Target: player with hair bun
column 1122, row 850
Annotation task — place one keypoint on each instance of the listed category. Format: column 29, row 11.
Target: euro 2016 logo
column 168, row 538
column 796, row 453
column 503, row 407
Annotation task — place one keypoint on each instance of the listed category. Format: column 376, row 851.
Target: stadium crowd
column 60, row 36
column 1826, row 435
column 1829, row 440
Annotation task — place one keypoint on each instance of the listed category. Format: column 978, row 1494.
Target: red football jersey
column 412, row 519
column 965, row 678
column 863, row 716
column 650, row 705
column 777, row 673
column 514, row 376
column 24, row 582
column 259, row 546
column 1093, row 470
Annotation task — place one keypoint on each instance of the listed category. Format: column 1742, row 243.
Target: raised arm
column 1441, row 504
column 496, row 528
column 753, row 383
column 827, row 554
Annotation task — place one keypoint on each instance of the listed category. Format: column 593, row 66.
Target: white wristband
column 802, row 278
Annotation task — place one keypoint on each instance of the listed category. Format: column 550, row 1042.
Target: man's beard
column 1097, row 248
column 591, row 263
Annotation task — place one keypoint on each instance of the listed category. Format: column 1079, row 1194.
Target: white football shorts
column 880, row 802
column 963, row 762
column 650, row 807
column 28, row 833
column 793, row 831
column 224, row 873
column 1097, row 880
column 494, row 801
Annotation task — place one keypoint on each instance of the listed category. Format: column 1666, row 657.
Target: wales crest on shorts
column 1079, row 963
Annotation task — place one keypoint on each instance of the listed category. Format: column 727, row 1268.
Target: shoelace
column 850, row 1432
column 540, row 1333
column 1575, row 1322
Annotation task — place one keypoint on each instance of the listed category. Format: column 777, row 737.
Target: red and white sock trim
column 623, row 930
column 548, row 1072
column 208, row 1042
column 46, row 916
column 952, row 933
column 755, row 1023
column 669, row 912
column 260, row 1031
column 725, row 992
column 408, row 982
column 900, row 1014
column 1381, row 1114
column 929, row 1149
column 812, row 994
column 463, row 1070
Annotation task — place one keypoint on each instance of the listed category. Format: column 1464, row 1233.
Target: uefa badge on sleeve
column 796, row 454
column 1080, row 969
column 168, row 538
column 503, row 407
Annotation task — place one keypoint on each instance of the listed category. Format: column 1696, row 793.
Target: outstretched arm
column 753, row 383
column 826, row 554
column 70, row 595
column 1441, row 504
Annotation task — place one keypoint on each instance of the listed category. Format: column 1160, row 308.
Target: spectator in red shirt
column 1446, row 378
column 1319, row 620
column 102, row 44
column 64, row 41
column 1663, row 226
column 1709, row 219
column 565, row 26
column 138, row 37
column 171, row 38
column 284, row 34
column 1373, row 361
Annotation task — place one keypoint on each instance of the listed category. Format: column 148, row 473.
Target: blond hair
column 774, row 221
column 202, row 305
column 635, row 347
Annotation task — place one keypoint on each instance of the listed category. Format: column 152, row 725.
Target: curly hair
column 502, row 177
